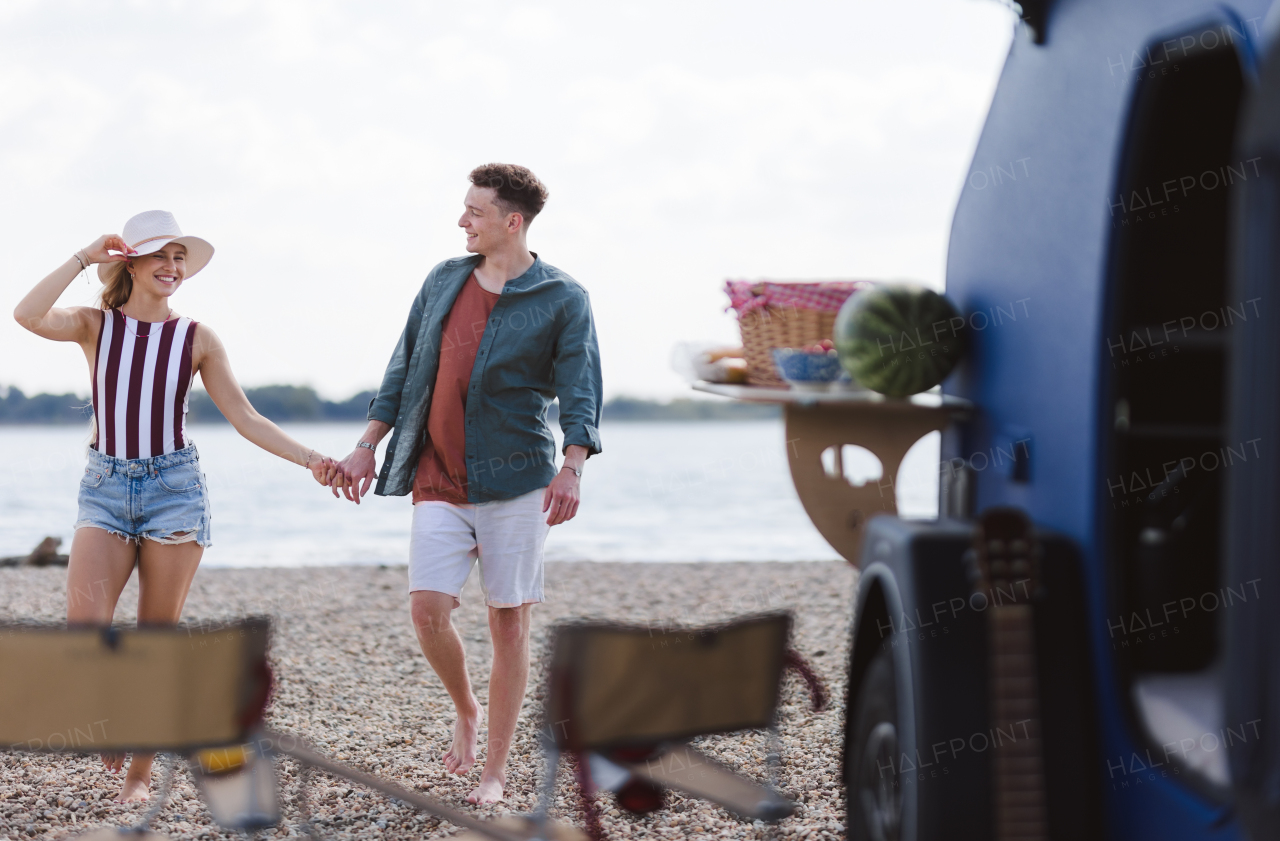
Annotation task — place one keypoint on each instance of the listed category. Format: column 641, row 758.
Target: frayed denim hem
column 192, row 535
column 127, row 538
column 176, row 540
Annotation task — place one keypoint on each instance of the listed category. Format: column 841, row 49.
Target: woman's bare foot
column 489, row 790
column 134, row 790
column 461, row 755
column 137, row 782
column 113, row 761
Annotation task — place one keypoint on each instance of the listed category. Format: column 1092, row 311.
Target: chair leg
column 773, row 768
column 547, row 793
column 773, row 759
column 307, row 826
column 590, row 814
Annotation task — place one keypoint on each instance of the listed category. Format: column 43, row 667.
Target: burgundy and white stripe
column 141, row 375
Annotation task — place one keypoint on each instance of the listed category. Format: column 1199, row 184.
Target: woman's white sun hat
column 152, row 230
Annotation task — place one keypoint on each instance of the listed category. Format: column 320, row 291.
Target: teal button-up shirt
column 539, row 344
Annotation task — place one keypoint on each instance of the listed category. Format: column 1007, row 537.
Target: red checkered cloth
column 827, row 296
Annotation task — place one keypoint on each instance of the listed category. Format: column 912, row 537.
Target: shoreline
column 351, row 680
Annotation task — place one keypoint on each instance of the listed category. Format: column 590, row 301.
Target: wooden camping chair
column 162, row 690
column 194, row 692
column 625, row 700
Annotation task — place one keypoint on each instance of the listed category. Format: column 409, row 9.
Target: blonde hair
column 117, row 288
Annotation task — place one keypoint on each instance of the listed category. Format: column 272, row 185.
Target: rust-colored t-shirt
column 442, row 467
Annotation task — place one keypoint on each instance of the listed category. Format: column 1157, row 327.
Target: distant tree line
column 301, row 404
column 298, row 404
column 684, row 409
column 16, row 407
column 278, row 402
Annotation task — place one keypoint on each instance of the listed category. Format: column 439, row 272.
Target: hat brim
column 199, row 253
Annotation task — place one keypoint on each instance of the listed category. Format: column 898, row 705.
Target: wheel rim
column 878, row 783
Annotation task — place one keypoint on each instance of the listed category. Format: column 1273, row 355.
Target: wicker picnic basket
column 774, row 314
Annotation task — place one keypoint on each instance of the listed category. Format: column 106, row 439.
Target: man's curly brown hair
column 518, row 190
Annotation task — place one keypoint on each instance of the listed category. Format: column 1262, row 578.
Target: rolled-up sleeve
column 578, row 382
column 385, row 406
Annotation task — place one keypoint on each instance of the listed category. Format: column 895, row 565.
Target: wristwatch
column 576, row 471
column 370, row 447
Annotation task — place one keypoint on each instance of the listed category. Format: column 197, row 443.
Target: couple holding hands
column 491, row 339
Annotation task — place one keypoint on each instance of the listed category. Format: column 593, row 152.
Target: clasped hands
column 352, row 475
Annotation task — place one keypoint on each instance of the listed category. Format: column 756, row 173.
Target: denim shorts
column 152, row 498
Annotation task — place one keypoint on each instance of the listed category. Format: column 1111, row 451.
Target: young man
column 490, row 340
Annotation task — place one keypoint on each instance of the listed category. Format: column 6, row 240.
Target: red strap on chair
column 256, row 708
column 817, row 689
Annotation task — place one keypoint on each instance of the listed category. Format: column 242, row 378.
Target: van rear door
column 1252, row 546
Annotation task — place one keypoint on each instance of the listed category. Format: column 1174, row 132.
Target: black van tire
column 872, row 791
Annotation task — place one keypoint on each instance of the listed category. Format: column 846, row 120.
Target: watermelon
column 899, row 339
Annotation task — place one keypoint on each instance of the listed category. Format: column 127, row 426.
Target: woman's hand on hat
column 100, row 250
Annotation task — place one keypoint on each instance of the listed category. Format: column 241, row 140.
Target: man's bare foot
column 489, row 790
column 133, row 791
column 461, row 755
column 113, row 761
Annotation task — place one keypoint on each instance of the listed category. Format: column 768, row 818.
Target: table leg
column 838, row 509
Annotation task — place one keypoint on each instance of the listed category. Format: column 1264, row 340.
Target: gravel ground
column 353, row 682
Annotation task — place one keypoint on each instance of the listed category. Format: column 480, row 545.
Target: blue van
column 1086, row 643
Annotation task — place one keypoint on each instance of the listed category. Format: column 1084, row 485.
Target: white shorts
column 505, row 536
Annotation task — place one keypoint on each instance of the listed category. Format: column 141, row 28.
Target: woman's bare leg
column 164, row 576
column 99, row 567
column 165, row 572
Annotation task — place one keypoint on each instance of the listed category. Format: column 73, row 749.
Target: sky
column 323, row 148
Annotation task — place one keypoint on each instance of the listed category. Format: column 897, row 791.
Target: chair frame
column 599, row 766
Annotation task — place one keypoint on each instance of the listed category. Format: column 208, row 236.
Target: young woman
column 143, row 498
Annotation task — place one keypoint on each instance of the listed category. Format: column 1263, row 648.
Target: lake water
column 707, row 491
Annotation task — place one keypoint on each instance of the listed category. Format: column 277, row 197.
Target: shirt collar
column 529, row 276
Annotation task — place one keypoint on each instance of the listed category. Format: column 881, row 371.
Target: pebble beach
column 352, row 681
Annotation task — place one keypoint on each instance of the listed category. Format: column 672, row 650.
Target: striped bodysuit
column 141, row 376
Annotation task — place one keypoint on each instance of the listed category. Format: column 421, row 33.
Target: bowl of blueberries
column 812, row 368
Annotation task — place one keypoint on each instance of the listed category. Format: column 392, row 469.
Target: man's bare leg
column 509, row 627
column 431, row 613
column 165, row 572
